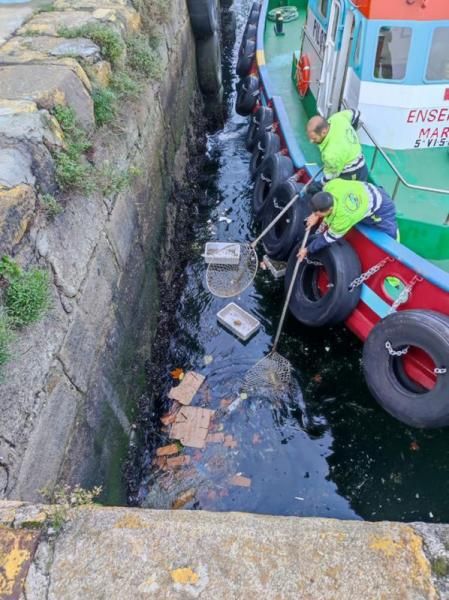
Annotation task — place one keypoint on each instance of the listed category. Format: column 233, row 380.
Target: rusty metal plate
column 17, row 548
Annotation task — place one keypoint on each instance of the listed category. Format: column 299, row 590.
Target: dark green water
column 331, row 450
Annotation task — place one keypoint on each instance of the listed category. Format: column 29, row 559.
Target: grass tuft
column 27, row 297
column 142, row 58
column 6, row 337
column 105, row 105
column 50, row 205
column 72, row 171
column 124, row 85
column 110, row 42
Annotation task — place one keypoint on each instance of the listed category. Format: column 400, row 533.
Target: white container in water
column 222, row 253
column 276, row 267
column 238, row 321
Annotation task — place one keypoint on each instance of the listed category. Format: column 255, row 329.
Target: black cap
column 322, row 201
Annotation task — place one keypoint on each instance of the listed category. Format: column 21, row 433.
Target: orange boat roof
column 408, row 10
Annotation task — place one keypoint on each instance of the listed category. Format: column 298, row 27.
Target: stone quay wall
column 67, row 395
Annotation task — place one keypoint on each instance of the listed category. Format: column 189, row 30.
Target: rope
column 288, row 13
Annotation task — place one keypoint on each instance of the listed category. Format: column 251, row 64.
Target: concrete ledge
column 134, row 553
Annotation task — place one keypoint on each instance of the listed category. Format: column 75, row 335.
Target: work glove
column 314, row 188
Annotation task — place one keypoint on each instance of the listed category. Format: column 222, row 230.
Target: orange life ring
column 303, row 75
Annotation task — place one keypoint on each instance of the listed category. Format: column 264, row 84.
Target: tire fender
column 290, row 229
column 208, row 64
column 276, row 169
column 424, row 329
column 203, row 17
column 309, row 306
column 269, row 144
column 247, row 95
column 261, row 122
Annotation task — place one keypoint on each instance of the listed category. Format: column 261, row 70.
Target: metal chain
column 369, row 273
column 264, row 178
column 440, row 371
column 405, row 293
column 316, row 263
column 392, row 352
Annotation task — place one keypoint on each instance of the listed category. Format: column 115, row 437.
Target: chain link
column 315, row 263
column 440, row 371
column 264, row 178
column 392, row 352
column 367, row 274
column 405, row 293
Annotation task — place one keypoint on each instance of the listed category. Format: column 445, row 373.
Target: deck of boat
column 423, row 216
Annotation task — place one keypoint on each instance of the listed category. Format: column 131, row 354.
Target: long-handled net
column 272, row 374
column 225, row 280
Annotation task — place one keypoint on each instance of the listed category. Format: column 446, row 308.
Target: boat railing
column 399, row 177
column 378, row 150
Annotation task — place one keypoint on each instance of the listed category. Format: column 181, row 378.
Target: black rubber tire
column 247, row 95
column 270, row 143
column 208, row 64
column 425, row 329
column 203, row 17
column 342, row 265
column 275, row 170
column 250, row 33
column 261, row 122
column 290, row 229
column 246, row 58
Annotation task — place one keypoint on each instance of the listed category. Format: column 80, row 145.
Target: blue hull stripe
column 375, row 302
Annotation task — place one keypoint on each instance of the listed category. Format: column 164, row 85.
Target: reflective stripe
column 356, row 164
column 331, row 237
column 375, row 198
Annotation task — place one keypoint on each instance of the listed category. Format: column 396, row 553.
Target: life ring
column 321, row 293
column 261, row 122
column 276, row 169
column 269, row 144
column 303, row 75
column 290, row 229
column 404, row 337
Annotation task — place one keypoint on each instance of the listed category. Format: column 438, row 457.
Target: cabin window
column 438, row 62
column 393, row 45
column 323, row 7
column 335, row 22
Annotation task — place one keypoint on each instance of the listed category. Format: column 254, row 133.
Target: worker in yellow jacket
column 341, row 152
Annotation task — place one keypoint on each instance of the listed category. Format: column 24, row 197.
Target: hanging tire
column 261, row 122
column 247, row 95
column 246, row 58
column 270, row 143
column 203, row 17
column 321, row 293
column 275, row 170
column 424, row 329
column 250, row 34
column 290, row 229
column 208, row 64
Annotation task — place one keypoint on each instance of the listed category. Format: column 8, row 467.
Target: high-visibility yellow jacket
column 340, row 150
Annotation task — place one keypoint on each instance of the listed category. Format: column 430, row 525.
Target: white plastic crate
column 222, row 253
column 276, row 267
column 238, row 321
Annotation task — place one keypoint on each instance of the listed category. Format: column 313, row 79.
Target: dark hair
column 322, row 201
column 321, row 126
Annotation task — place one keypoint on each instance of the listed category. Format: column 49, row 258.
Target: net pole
column 285, row 209
column 289, row 292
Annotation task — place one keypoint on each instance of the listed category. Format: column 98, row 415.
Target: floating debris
column 240, row 480
column 192, row 426
column 185, row 391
